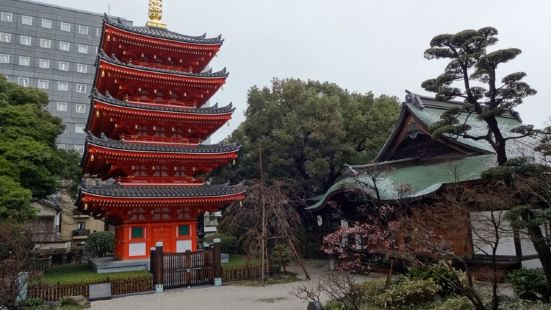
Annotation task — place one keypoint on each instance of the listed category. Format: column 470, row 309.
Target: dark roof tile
column 164, row 148
column 206, row 74
column 117, row 190
column 209, row 110
column 163, row 33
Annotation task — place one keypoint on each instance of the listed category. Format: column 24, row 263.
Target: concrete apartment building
column 54, row 49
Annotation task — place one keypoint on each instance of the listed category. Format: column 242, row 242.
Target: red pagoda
column 145, row 132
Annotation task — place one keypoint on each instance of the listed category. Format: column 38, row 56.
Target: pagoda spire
column 155, row 14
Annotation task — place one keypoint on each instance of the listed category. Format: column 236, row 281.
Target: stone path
column 227, row 297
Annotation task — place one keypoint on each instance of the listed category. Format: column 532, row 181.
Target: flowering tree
column 357, row 246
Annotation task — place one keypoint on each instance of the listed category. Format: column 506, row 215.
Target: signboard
column 99, row 291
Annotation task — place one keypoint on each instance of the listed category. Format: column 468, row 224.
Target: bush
column 455, row 303
column 520, row 304
column 228, row 243
column 530, row 284
column 449, row 279
column 32, row 303
column 281, row 256
column 100, row 244
column 372, row 289
column 408, row 293
column 336, row 305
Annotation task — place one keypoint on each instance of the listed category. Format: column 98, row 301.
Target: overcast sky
column 362, row 45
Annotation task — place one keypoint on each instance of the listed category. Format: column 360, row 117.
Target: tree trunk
column 541, row 247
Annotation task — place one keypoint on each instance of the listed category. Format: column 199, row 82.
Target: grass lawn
column 240, row 260
column 67, row 274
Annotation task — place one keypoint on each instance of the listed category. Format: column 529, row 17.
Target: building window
column 63, row 66
column 23, row 81
column 43, row 84
column 81, row 88
column 5, row 37
column 81, row 225
column 82, row 68
column 27, row 20
column 79, row 128
column 82, row 29
column 6, row 17
column 61, row 106
column 4, row 59
column 183, row 230
column 80, row 108
column 44, row 63
column 65, row 46
column 136, row 233
column 45, row 43
column 24, row 61
column 83, row 49
column 26, row 40
column 61, row 146
column 47, row 23
column 65, row 27
column 79, row 148
column 98, row 32
column 63, row 86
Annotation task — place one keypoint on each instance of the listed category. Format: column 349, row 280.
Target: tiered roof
column 423, row 176
column 146, row 123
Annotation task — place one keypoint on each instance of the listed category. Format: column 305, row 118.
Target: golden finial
column 155, row 14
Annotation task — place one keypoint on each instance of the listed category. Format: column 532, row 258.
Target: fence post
column 217, row 264
column 159, row 267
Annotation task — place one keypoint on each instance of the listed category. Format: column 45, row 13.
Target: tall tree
column 30, row 165
column 308, row 130
column 471, row 74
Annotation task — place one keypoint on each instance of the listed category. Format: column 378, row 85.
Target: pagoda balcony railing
column 159, row 181
column 163, row 140
column 160, row 100
column 160, row 66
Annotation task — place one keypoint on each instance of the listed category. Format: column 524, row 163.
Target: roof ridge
column 163, row 33
column 209, row 74
column 95, row 94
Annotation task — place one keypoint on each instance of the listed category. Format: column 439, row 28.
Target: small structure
column 46, row 230
column 415, row 167
column 146, row 128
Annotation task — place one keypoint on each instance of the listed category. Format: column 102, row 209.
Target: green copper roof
column 421, row 179
column 430, row 114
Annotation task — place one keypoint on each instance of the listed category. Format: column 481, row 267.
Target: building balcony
column 81, row 233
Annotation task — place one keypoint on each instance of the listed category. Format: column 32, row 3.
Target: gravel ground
column 226, row 297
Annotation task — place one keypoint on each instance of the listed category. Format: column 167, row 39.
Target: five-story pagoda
column 146, row 127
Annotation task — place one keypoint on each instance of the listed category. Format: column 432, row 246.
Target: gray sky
column 362, row 45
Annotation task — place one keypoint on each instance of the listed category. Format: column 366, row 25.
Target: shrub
column 449, row 279
column 530, row 284
column 455, row 303
column 32, row 303
column 372, row 289
column 408, row 293
column 228, row 243
column 281, row 256
column 336, row 305
column 100, row 244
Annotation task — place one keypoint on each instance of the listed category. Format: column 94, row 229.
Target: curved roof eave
column 163, row 34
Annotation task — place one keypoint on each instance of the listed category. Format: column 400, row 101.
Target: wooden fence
column 54, row 292
column 241, row 273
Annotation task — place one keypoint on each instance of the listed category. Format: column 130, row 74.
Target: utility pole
column 263, row 238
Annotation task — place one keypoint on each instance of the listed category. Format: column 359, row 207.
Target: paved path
column 227, row 297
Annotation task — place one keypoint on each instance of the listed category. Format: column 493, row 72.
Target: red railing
column 172, row 140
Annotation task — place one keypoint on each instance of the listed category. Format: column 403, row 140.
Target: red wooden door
column 166, row 235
